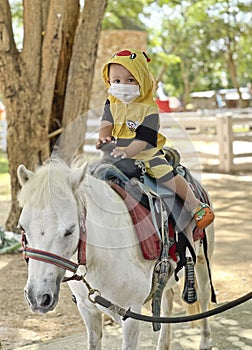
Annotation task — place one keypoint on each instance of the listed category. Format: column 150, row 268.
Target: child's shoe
column 203, row 215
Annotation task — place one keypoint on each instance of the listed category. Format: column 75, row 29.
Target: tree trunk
column 34, row 80
column 70, row 22
column 233, row 73
column 81, row 74
column 22, row 105
column 186, row 83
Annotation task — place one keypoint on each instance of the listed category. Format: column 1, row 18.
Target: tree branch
column 80, row 77
column 71, row 19
column 50, row 55
column 83, row 60
column 7, row 43
column 9, row 55
column 32, row 42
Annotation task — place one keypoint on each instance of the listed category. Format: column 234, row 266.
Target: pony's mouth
column 44, row 310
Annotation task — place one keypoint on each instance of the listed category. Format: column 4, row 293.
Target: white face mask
column 126, row 93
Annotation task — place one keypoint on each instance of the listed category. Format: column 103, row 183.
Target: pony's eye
column 67, row 233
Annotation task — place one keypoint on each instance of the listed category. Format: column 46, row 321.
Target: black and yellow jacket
column 138, row 119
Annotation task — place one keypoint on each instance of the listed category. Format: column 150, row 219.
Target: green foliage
column 202, row 34
column 125, row 14
column 3, row 163
column 190, row 38
column 16, row 8
column 17, row 21
column 4, row 176
column 9, row 242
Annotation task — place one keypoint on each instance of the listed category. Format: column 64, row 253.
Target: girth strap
column 213, row 295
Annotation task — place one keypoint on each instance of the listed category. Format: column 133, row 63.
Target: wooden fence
column 223, row 142
column 213, row 140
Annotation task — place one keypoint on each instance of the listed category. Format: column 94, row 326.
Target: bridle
column 50, row 258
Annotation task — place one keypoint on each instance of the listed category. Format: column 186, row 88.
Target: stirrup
column 203, row 215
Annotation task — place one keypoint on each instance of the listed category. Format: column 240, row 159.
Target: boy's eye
column 131, row 80
column 116, row 81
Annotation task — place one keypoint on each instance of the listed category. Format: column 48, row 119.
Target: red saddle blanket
column 147, row 235
column 148, row 238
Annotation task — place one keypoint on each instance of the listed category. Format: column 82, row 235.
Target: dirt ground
column 232, row 273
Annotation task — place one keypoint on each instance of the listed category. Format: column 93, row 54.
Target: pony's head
column 50, row 218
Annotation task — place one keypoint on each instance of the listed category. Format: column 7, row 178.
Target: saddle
column 161, row 208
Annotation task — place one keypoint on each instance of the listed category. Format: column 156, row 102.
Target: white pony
column 58, row 201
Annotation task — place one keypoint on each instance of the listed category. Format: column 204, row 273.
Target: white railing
column 222, row 140
column 231, row 132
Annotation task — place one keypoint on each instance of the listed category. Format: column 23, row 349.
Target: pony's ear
column 23, row 174
column 77, row 176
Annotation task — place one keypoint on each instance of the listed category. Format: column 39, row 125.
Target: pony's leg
column 90, row 314
column 204, row 293
column 130, row 329
column 165, row 335
column 93, row 322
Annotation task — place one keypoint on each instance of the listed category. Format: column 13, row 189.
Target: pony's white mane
column 49, row 181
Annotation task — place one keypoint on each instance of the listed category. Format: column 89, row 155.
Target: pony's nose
column 45, row 300
column 42, row 299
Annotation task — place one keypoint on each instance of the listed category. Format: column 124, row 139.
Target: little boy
column 131, row 118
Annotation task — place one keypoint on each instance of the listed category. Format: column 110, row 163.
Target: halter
column 50, row 258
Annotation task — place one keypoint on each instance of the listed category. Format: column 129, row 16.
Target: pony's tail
column 195, row 308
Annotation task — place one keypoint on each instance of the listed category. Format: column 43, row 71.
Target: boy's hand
column 119, row 153
column 106, row 146
column 132, row 150
column 102, row 141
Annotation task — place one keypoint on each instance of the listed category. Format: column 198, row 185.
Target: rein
column 155, row 319
column 125, row 314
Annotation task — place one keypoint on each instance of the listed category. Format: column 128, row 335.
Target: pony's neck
column 108, row 221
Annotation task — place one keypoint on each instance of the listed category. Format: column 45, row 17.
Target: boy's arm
column 132, row 150
column 105, row 132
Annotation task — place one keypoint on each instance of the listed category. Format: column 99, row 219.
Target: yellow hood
column 137, row 64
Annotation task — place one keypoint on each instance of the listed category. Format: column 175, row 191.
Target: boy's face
column 120, row 75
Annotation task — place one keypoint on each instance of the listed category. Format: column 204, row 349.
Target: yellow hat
column 136, row 62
